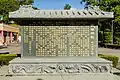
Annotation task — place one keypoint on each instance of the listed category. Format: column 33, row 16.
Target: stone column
column 2, row 36
column 7, row 38
column 17, row 36
column 11, row 36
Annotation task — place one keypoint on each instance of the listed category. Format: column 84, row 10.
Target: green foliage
column 35, row 8
column 5, row 58
column 117, row 37
column 14, row 25
column 100, row 35
column 6, row 18
column 108, row 5
column 114, row 59
column 7, row 6
column 117, row 40
column 107, row 37
column 67, row 6
column 25, row 2
column 112, row 46
column 107, row 30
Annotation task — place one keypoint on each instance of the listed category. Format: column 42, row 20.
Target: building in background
column 8, row 33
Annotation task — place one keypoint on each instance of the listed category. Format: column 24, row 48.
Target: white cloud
column 73, row 9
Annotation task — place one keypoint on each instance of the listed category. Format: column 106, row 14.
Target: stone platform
column 58, row 65
column 68, row 77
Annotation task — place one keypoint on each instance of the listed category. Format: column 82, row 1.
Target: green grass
column 114, row 59
column 5, row 58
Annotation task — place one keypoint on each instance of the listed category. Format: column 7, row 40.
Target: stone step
column 69, row 77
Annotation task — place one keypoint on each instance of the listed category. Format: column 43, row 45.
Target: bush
column 107, row 37
column 100, row 35
column 117, row 39
column 115, row 46
column 5, row 58
column 114, row 59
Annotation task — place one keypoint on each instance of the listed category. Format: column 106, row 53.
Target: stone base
column 68, row 77
column 58, row 65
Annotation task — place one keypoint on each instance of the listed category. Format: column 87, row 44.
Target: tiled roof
column 27, row 11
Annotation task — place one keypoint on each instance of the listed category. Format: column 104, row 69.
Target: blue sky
column 57, row 4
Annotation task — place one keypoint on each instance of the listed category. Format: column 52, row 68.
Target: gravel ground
column 115, row 52
column 14, row 48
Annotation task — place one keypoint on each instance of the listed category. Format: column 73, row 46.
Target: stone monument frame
column 26, row 53
column 51, row 23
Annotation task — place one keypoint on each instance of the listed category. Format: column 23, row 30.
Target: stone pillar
column 17, row 36
column 11, row 36
column 7, row 38
column 112, row 31
column 2, row 36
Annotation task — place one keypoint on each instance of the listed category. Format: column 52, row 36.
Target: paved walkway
column 13, row 48
column 69, row 77
column 107, row 51
column 115, row 52
column 64, row 77
column 3, row 70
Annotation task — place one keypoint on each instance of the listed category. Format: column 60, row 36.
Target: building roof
column 9, row 28
column 26, row 11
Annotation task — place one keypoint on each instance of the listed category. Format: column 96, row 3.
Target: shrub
column 107, row 37
column 100, row 35
column 114, row 59
column 116, row 46
column 117, row 40
column 5, row 58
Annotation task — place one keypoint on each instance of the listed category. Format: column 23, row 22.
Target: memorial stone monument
column 59, row 42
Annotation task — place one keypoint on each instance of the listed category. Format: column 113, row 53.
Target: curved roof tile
column 26, row 11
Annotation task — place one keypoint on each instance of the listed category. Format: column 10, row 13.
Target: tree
column 67, row 7
column 7, row 6
column 35, row 8
column 110, row 6
column 25, row 2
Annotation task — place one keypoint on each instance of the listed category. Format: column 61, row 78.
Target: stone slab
column 92, row 77
column 69, row 77
column 35, row 60
column 58, row 65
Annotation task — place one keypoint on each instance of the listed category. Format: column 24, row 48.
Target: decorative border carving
column 58, row 68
